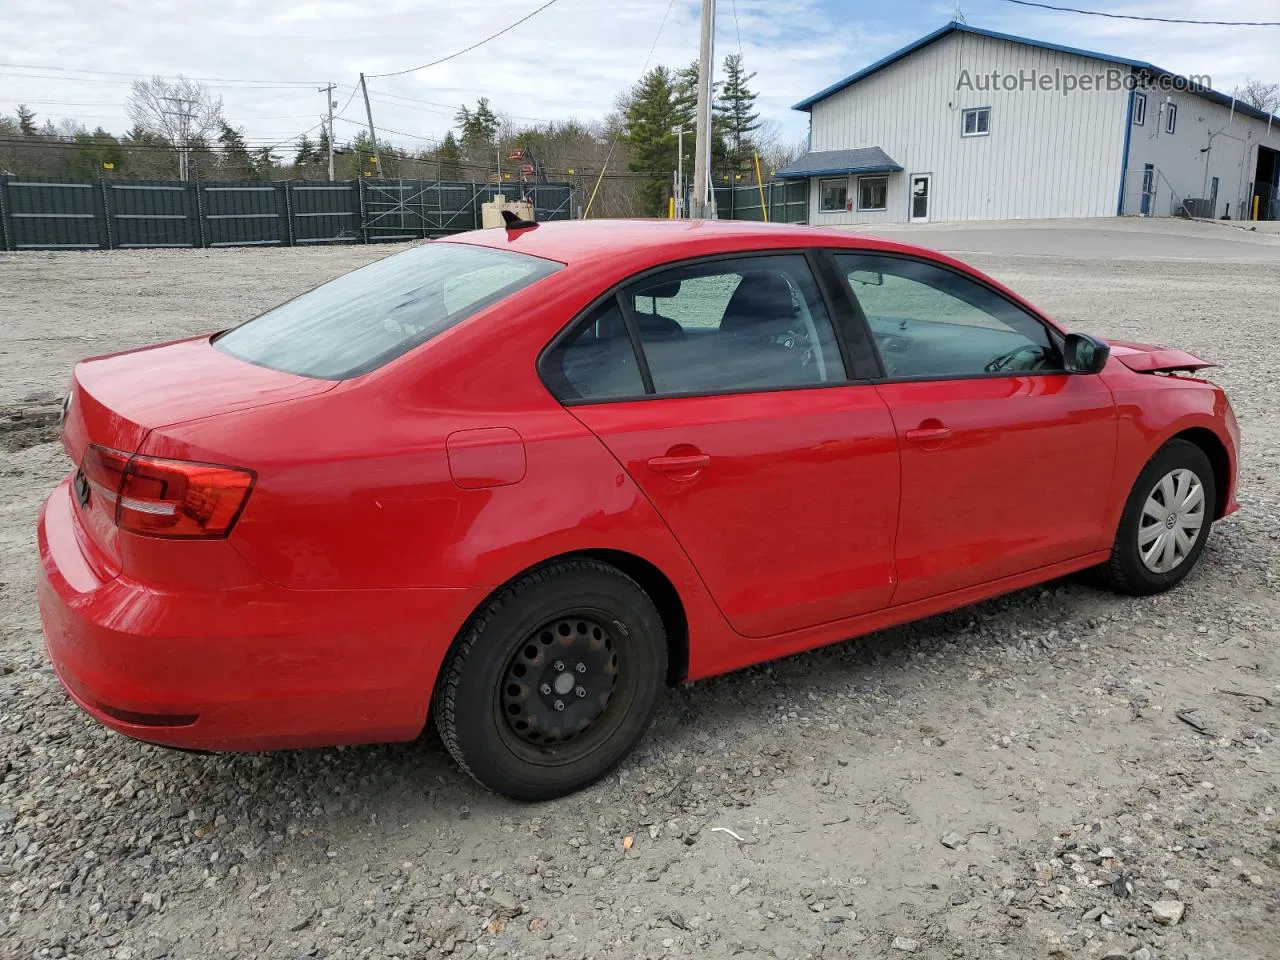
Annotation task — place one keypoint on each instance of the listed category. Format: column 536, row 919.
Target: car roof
column 576, row 242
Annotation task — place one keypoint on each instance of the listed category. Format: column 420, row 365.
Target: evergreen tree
column 449, row 158
column 235, row 162
column 360, row 155
column 306, row 154
column 737, row 116
column 26, row 120
column 686, row 109
column 322, row 153
column 650, row 115
column 479, row 127
column 94, row 152
column 265, row 166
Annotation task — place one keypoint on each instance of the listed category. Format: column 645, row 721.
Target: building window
column 1139, row 109
column 1171, row 118
column 873, row 193
column 834, row 195
column 977, row 122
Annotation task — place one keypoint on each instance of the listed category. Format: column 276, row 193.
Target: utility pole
column 328, row 96
column 679, row 194
column 183, row 131
column 703, row 204
column 373, row 137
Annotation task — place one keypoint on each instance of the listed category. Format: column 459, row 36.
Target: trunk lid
column 1148, row 358
column 116, row 400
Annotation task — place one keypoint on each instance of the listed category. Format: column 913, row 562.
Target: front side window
column 873, row 193
column 976, row 122
column 834, row 194
column 1139, row 109
column 932, row 323
column 370, row 316
column 727, row 326
column 1171, row 119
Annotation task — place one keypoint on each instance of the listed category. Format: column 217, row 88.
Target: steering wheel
column 1006, row 360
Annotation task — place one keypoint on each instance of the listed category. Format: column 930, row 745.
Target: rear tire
column 553, row 681
column 1165, row 523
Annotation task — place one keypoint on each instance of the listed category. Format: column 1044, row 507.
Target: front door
column 921, row 183
column 1006, row 459
column 1148, row 187
column 778, row 477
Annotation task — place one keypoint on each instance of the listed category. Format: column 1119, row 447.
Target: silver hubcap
column 1171, row 521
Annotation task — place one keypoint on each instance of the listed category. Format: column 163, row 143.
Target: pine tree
column 235, row 163
column 306, row 154
column 737, row 116
column 650, row 115
column 322, row 152
column 265, row 166
column 449, row 158
column 686, row 109
column 26, row 120
column 478, row 126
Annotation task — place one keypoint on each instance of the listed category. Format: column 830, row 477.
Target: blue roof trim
column 954, row 27
column 842, row 171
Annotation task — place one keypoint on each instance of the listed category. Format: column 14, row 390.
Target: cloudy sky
column 266, row 57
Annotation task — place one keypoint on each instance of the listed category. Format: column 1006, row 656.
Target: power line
column 148, row 76
column 618, row 133
column 479, row 43
column 1134, row 16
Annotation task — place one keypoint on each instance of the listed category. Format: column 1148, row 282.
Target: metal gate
column 152, row 214
column 52, row 216
column 244, row 214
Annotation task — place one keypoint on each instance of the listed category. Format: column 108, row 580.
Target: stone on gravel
column 906, row 944
column 1168, row 911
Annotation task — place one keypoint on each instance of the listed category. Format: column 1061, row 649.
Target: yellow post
column 1256, row 200
column 671, row 208
column 764, row 207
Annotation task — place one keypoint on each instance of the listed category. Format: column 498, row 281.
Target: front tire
column 1165, row 522
column 554, row 681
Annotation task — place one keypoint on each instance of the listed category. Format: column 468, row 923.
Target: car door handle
column 927, row 434
column 687, row 464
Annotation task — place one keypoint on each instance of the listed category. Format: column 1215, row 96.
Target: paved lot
column 1128, row 239
column 794, row 810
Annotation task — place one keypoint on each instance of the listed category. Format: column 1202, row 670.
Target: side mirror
column 1085, row 354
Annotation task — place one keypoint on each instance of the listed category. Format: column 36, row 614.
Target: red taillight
column 166, row 498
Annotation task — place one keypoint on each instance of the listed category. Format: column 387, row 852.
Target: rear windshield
column 370, row 316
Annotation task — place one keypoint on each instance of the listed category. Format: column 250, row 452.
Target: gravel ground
column 1058, row 773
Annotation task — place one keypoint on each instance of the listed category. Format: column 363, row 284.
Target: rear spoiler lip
column 1162, row 361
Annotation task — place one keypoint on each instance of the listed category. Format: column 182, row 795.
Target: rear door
column 778, row 476
column 1006, row 459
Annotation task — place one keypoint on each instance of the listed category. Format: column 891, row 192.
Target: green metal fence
column 114, row 214
column 786, row 200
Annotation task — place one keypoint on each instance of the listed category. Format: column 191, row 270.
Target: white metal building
column 968, row 124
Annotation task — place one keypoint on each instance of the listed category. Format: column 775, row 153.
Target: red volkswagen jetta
column 522, row 478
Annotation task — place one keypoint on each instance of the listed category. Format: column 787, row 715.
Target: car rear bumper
column 252, row 668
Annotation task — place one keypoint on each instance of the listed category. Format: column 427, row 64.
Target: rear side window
column 727, row 326
column 370, row 316
column 596, row 361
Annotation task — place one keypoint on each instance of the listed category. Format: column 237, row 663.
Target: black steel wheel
column 553, row 682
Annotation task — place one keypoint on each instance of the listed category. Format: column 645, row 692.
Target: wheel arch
column 655, row 583
column 1213, row 448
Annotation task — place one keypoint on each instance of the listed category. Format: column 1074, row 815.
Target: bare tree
column 181, row 111
column 1258, row 93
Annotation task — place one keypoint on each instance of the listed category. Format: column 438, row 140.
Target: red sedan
column 522, row 478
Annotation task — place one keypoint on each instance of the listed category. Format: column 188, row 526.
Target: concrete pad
column 1115, row 238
